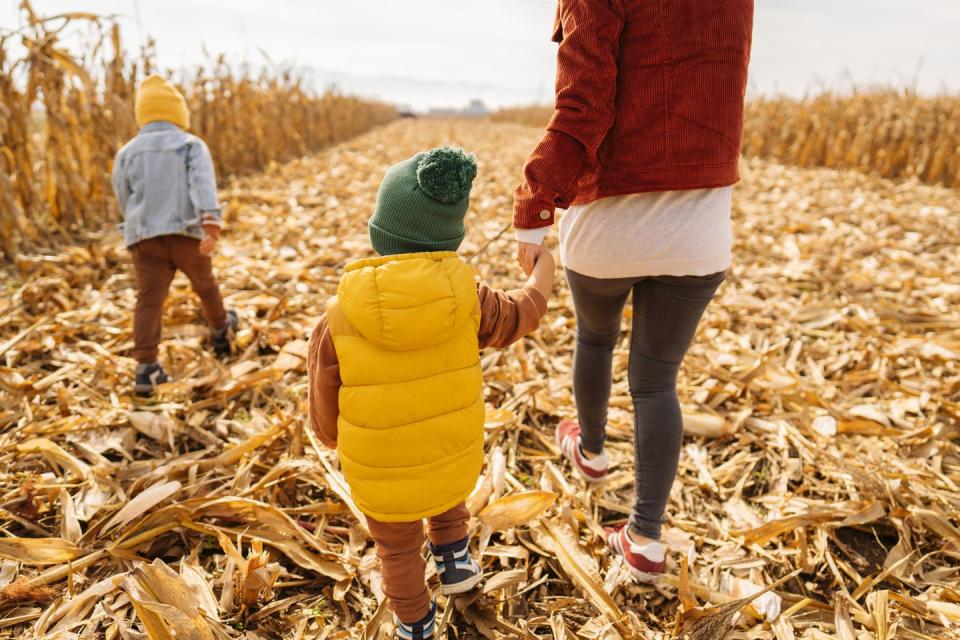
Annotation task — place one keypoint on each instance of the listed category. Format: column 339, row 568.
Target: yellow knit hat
column 157, row 99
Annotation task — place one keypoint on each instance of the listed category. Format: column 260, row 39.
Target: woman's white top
column 665, row 233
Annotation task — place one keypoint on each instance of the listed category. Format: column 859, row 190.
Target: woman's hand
column 527, row 255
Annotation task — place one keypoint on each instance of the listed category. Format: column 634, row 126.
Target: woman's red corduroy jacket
column 649, row 98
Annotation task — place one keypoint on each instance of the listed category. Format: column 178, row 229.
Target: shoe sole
column 642, row 576
column 461, row 587
column 573, row 464
column 590, row 480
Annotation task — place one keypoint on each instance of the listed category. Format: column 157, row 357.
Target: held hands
column 527, row 255
column 211, row 233
column 542, row 272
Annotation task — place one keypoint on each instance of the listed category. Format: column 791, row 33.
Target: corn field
column 821, row 407
column 532, row 115
column 818, row 489
column 893, row 134
column 889, row 133
column 63, row 117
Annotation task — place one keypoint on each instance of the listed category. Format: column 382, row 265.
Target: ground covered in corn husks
column 822, row 400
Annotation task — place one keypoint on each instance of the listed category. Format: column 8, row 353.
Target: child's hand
column 545, row 260
column 207, row 245
column 543, row 270
column 210, row 234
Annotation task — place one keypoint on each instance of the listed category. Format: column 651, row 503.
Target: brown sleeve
column 507, row 316
column 323, row 388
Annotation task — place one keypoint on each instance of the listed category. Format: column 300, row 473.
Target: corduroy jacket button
column 544, row 215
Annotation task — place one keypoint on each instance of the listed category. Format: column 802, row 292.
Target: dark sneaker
column 645, row 561
column 458, row 571
column 419, row 630
column 148, row 377
column 568, row 440
column 222, row 338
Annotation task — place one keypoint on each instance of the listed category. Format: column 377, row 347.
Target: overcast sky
column 443, row 52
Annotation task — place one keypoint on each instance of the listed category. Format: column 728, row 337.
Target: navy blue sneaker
column 149, row 375
column 222, row 338
column 419, row 630
column 458, row 571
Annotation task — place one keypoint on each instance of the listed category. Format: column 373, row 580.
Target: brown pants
column 400, row 549
column 155, row 262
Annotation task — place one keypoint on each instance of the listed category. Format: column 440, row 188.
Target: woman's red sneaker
column 568, row 440
column 645, row 561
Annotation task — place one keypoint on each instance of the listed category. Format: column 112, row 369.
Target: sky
column 426, row 53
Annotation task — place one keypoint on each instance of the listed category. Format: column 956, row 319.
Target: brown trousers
column 400, row 549
column 155, row 263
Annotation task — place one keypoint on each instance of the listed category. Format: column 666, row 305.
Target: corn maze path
column 823, row 385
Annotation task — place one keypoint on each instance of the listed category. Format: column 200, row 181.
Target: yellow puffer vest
column 411, row 405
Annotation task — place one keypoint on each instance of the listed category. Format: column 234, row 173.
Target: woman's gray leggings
column 666, row 312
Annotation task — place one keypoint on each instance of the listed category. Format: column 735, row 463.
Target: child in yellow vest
column 395, row 378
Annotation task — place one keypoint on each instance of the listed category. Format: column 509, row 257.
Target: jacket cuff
column 533, row 214
column 211, row 217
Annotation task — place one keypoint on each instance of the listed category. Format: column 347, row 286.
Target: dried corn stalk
column 64, row 114
column 822, row 398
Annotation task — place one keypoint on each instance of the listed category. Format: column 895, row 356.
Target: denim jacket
column 165, row 183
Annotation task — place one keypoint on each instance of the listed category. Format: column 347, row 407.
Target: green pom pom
column 446, row 173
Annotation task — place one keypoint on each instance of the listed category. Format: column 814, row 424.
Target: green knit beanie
column 422, row 202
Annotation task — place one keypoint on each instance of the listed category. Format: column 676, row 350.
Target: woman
column 642, row 150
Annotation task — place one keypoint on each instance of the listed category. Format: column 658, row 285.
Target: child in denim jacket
column 165, row 183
